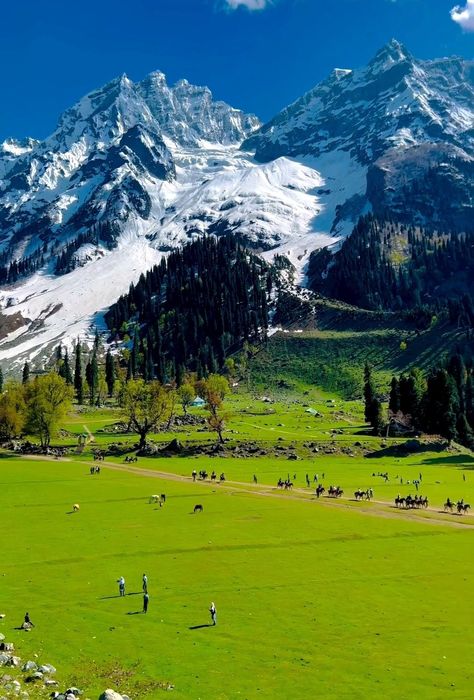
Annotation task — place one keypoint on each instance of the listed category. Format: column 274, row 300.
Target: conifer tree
column 26, row 373
column 394, row 401
column 78, row 381
column 67, row 374
column 110, row 372
column 94, row 378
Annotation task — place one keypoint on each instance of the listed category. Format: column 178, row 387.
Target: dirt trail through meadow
column 383, row 509
column 380, row 509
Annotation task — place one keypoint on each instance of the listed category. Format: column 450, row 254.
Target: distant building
column 198, row 402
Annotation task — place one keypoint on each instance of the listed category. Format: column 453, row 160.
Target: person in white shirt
column 213, row 612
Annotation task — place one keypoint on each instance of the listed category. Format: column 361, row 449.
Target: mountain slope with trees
column 191, row 311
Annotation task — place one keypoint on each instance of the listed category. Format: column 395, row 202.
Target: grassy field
column 334, row 355
column 314, row 598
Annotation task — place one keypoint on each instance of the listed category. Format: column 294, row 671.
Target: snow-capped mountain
column 145, row 167
column 188, row 115
column 136, row 169
column 408, row 123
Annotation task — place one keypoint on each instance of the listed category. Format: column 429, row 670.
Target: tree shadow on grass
column 463, row 460
column 200, row 627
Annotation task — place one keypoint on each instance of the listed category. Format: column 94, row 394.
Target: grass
column 314, row 599
column 334, row 357
column 319, row 602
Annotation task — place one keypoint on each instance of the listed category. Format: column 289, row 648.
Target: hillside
column 135, row 170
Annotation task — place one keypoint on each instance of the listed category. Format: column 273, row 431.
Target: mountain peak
column 392, row 53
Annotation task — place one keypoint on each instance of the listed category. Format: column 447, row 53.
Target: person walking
column 121, row 583
column 213, row 612
column 194, row 474
column 146, row 598
column 145, row 583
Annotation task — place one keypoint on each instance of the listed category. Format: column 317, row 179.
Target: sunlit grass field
column 314, row 598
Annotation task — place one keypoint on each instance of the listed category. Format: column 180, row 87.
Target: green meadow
column 314, row 598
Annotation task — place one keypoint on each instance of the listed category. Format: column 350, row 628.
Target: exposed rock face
column 410, row 122
column 187, row 113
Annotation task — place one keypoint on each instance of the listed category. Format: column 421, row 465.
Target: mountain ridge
column 138, row 169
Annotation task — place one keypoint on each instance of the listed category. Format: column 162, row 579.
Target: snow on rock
column 61, row 309
column 158, row 165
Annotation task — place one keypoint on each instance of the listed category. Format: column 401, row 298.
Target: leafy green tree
column 213, row 390
column 369, row 394
column 26, row 373
column 102, row 390
column 12, row 410
column 78, row 380
column 48, row 400
column 145, row 407
column 186, row 394
column 378, row 419
column 412, row 393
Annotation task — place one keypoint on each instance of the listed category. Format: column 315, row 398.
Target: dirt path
column 380, row 509
column 383, row 509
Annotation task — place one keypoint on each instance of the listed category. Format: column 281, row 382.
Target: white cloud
column 464, row 16
column 249, row 4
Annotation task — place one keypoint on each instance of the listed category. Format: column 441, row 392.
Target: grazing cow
column 198, row 508
column 75, row 507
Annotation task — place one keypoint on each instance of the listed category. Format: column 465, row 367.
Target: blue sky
column 55, row 51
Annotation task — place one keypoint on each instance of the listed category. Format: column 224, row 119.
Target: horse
column 359, row 495
column 198, row 508
column 399, row 501
column 320, row 490
column 463, row 508
column 449, row 505
column 335, row 491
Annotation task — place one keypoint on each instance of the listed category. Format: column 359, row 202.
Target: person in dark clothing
column 146, row 598
column 27, row 623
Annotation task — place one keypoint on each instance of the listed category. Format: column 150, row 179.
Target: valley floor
column 314, row 598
